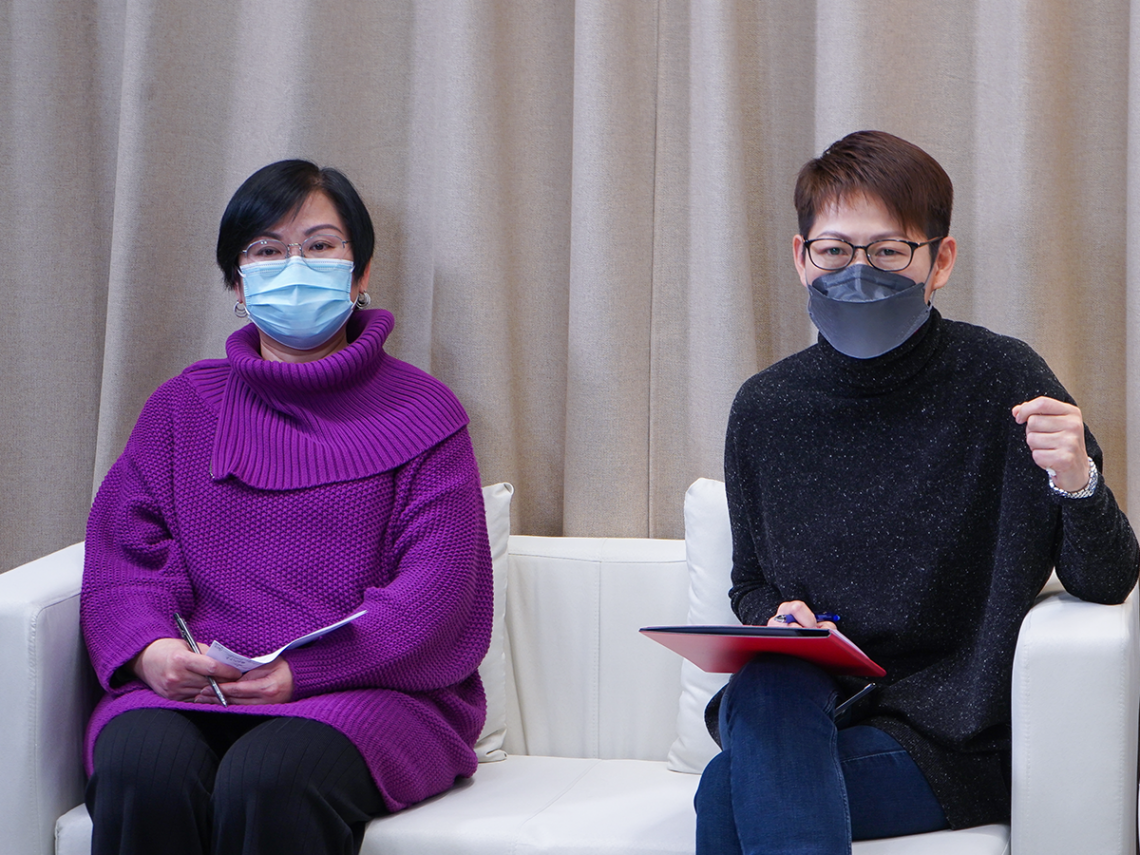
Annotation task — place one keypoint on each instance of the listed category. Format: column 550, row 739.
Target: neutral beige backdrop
column 583, row 210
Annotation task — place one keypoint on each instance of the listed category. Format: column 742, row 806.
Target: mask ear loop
column 239, row 307
column 934, row 249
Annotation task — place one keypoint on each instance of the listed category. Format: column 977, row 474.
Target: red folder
column 727, row 649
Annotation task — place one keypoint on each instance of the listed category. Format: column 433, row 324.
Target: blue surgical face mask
column 865, row 312
column 301, row 304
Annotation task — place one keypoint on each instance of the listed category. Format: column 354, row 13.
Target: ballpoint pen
column 859, row 695
column 185, row 630
column 792, row 619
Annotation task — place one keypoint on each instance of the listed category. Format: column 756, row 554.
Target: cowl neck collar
column 355, row 413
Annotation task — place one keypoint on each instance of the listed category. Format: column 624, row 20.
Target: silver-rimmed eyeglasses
column 835, row 253
column 318, row 247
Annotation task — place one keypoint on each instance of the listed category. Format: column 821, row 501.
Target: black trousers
column 174, row 783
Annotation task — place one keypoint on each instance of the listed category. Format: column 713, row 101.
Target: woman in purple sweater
column 303, row 478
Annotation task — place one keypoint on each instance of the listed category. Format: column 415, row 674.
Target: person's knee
column 779, row 679
column 153, row 757
column 256, row 770
column 782, row 673
column 277, row 761
column 291, row 784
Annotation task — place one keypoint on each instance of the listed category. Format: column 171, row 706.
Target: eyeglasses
column 319, row 247
column 890, row 255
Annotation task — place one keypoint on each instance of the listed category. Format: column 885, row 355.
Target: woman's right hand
column 177, row 673
column 804, row 616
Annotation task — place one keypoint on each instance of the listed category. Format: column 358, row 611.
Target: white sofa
column 594, row 717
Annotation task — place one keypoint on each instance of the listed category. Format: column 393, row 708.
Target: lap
column 187, row 782
column 778, row 699
column 280, row 751
column 219, row 750
column 154, row 737
column 887, row 794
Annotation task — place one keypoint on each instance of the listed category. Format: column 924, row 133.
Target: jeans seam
column 871, row 755
column 842, row 785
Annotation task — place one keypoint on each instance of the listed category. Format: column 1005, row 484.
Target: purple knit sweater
column 263, row 500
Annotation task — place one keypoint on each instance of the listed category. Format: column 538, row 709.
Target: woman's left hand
column 267, row 684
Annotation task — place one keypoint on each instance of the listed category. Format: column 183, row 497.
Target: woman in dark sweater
column 919, row 477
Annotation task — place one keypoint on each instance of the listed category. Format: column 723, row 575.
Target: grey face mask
column 864, row 312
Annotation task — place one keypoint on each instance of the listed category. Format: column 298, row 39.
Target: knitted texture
column 355, row 413
column 899, row 493
column 255, row 567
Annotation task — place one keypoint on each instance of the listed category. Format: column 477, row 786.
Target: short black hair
column 275, row 191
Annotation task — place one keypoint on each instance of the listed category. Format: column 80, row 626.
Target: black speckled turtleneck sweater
column 900, row 493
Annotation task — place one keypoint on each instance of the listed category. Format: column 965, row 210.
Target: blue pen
column 791, row 618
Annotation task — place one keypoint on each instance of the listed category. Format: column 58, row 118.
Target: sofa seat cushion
column 73, row 832
column 982, row 840
column 573, row 806
column 549, row 804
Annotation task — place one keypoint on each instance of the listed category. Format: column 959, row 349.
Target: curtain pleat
column 583, row 211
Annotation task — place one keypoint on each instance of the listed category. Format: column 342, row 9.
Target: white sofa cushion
column 980, row 840
column 549, row 804
column 588, row 684
column 708, row 550
column 493, row 669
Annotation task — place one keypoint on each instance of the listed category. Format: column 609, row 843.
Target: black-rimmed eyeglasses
column 835, row 253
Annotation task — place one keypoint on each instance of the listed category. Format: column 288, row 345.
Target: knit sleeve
column 754, row 599
column 430, row 626
column 1098, row 558
column 1096, row 555
column 133, row 576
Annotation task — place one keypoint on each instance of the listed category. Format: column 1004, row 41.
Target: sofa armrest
column 1076, row 695
column 48, row 692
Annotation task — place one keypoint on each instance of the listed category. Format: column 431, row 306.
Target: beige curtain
column 583, row 211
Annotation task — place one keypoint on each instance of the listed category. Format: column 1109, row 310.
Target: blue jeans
column 789, row 781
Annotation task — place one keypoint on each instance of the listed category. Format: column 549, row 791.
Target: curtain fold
column 55, row 218
column 611, row 266
column 583, row 211
column 1129, row 313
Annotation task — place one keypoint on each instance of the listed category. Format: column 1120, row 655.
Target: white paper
column 222, row 653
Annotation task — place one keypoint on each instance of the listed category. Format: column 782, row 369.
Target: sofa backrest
column 582, row 681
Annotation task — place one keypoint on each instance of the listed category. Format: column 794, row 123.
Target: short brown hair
column 914, row 187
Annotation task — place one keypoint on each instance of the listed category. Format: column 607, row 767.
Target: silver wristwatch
column 1085, row 491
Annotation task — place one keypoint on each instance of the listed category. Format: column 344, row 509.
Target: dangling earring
column 240, row 310
column 363, row 301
